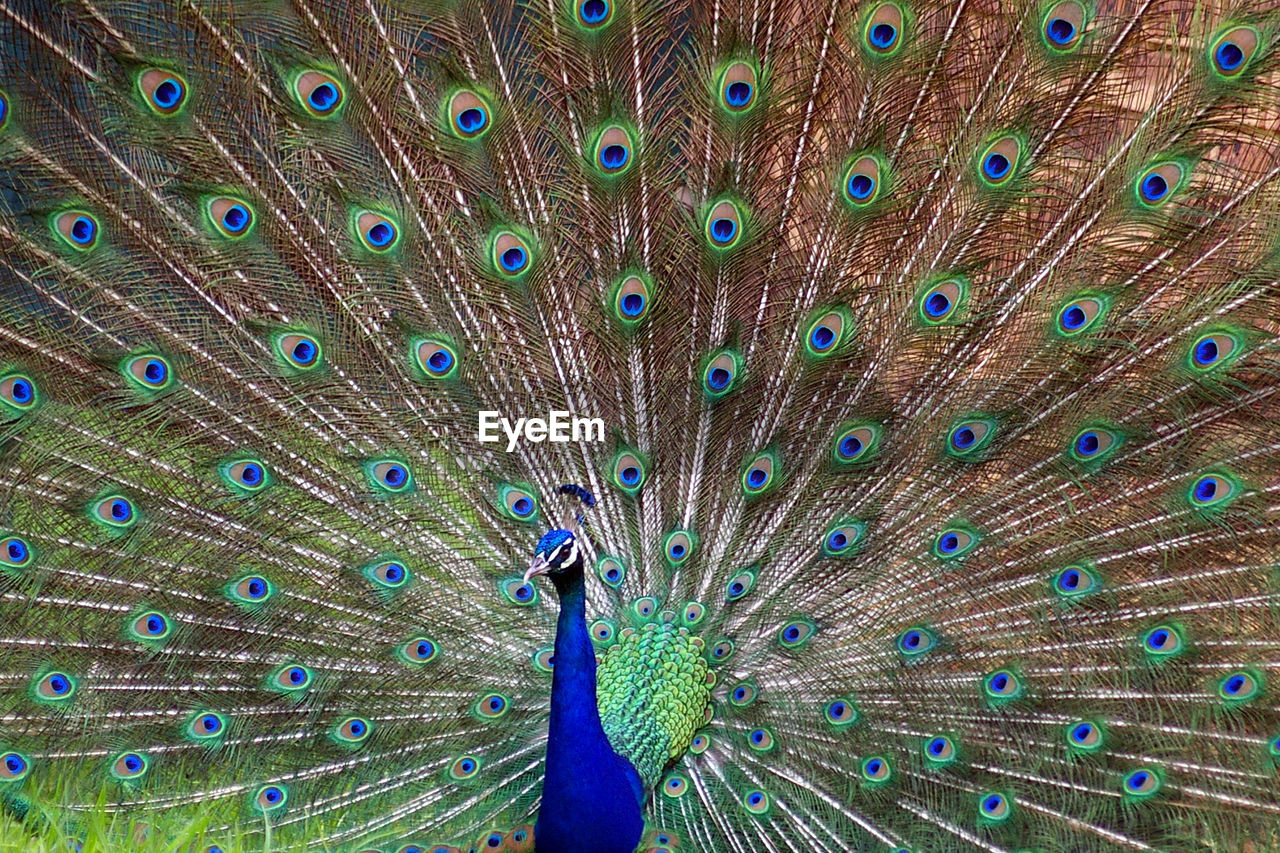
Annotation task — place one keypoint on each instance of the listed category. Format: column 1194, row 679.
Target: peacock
column 596, row 426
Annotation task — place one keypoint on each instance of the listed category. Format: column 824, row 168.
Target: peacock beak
column 539, row 566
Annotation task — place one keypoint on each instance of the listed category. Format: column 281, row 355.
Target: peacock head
column 558, row 554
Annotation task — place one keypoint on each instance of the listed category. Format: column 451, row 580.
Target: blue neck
column 590, row 796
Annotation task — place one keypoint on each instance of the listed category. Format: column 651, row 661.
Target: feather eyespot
column 999, row 161
column 250, row 590
column 738, row 85
column 761, row 740
column 148, row 372
column 1075, row 581
column 230, row 217
column 994, row 808
column 292, row 678
column 15, row 553
column 1239, row 687
column 298, row 350
column 1231, row 52
column 843, row 538
column 1079, row 315
column 602, row 631
column 721, row 651
column 435, row 358
column 876, row 770
column 915, row 642
column 270, row 798
column 1093, row 444
column 883, row 31
column 468, row 114
column 14, row 767
column 54, row 687
column 1213, row 350
column 1163, row 642
column 76, row 228
column 613, row 151
column 826, row 333
column 628, row 472
column 939, row 751
column 723, row 225
column 740, row 584
column 758, row 475
column 700, row 744
column 969, row 437
column 940, row 302
column 611, row 571
column 4, row 110
column 510, row 253
column 756, row 802
column 1141, row 784
column 464, row 768
column 631, row 299
column 389, row 475
column 544, row 660
column 417, row 650
column 18, row 392
column 1002, row 686
column 206, row 726
column 954, row 542
column 855, row 443
column 1063, row 25
column 114, row 511
column 246, row 476
column 387, row 574
column 162, row 91
column 840, row 713
column 593, row 14
column 742, row 694
column 862, row 182
column 721, row 373
column 320, row 94
column 522, row 594
column 150, row 627
column 675, row 786
column 353, row 731
column 1212, row 491
column 678, row 546
column 519, row 503
column 1084, row 736
column 377, row 233
column 796, row 633
column 129, row 765
column 692, row 614
column 645, row 607
column 1156, row 185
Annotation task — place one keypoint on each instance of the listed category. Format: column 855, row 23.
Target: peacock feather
column 889, row 398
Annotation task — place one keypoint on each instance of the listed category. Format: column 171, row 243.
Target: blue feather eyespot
column 876, row 771
column 162, row 91
column 994, row 808
column 291, row 678
column 738, row 87
column 628, row 471
column 756, row 802
column 692, row 614
column 469, row 114
column 678, row 546
column 18, row 393
column 14, row 767
column 518, row 502
column 1075, row 581
column 434, row 358
column 319, row 94
column 882, row 33
column 544, row 660
column 1211, row 492
column 129, row 766
column 114, row 511
column 417, row 650
column 245, row 476
column 510, row 253
column 1158, row 183
column 1239, row 687
column 1163, row 642
column 1094, row 443
column 721, row 374
column 518, row 592
column 740, row 584
column 250, row 590
column 151, row 627
column 205, row 727
column 611, row 571
column 613, row 151
column 862, row 181
column 491, row 706
column 999, row 161
column 721, row 651
column 602, row 631
column 387, row 574
column 1085, row 737
column 55, row 687
column 645, row 607
column 840, row 713
column 675, row 786
column 1002, row 686
column 1231, row 52
column 915, row 642
column 269, row 799
column 4, row 110
column 593, row 14
column 231, row 217
column 76, row 228
column 389, row 475
column 855, row 443
column 954, row 542
column 15, row 554
column 826, row 333
column 701, row 743
column 723, row 225
column 796, row 633
column 939, row 751
column 464, row 768
column 1079, row 315
column 631, row 298
column 758, row 474
column 761, row 740
column 376, row 232
column 969, row 437
column 1063, row 24
column 299, row 351
column 742, row 694
column 148, row 372
column 1214, row 350
column 941, row 302
column 1141, row 784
